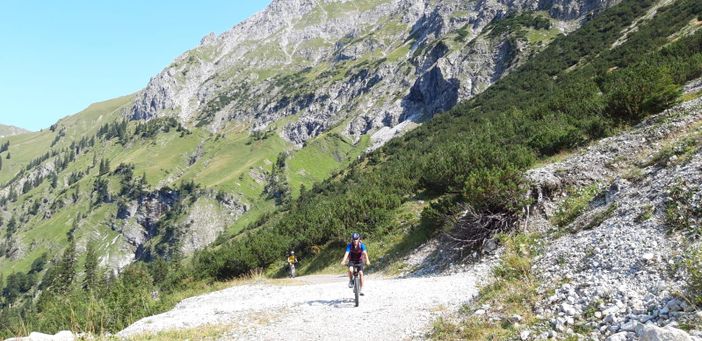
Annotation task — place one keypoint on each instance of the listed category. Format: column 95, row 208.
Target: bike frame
column 292, row 270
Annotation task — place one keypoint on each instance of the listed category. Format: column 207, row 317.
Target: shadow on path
column 337, row 303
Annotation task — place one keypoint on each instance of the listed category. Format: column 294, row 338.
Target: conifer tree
column 104, row 167
column 277, row 185
column 66, row 267
column 76, row 193
column 54, row 180
column 91, row 264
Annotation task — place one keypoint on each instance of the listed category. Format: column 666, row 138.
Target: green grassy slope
column 230, row 161
column 27, row 147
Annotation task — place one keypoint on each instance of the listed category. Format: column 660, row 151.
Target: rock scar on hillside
column 322, row 310
column 619, row 273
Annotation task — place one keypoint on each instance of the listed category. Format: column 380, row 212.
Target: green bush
column 575, row 204
column 683, row 209
column 646, row 214
column 437, row 214
column 496, row 190
column 515, row 23
column 693, row 265
column 635, row 92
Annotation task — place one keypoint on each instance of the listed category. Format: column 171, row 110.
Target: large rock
column 36, row 336
column 617, row 337
column 205, row 220
column 651, row 332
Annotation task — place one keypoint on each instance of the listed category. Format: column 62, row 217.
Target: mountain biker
column 292, row 260
column 356, row 253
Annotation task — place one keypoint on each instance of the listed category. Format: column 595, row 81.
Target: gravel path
column 321, row 308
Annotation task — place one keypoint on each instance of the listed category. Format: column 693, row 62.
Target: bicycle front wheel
column 357, row 288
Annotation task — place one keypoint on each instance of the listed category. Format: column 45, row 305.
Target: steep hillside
column 637, row 239
column 6, row 130
column 577, row 90
column 246, row 119
column 30, row 164
column 113, row 183
column 615, row 242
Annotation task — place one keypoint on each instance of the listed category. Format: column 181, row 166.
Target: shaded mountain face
column 7, row 130
column 364, row 65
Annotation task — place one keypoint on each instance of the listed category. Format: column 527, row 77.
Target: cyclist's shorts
column 357, row 264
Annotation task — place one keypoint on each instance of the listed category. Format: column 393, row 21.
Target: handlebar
column 355, row 266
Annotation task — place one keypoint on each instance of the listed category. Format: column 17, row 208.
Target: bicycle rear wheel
column 357, row 288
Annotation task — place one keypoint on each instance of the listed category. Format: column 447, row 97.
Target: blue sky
column 57, row 57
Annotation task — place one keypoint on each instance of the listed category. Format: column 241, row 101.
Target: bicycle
column 291, row 270
column 356, row 283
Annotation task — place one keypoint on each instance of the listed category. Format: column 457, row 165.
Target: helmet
column 355, row 236
column 292, row 252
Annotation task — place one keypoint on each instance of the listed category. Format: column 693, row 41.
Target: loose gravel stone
column 622, row 267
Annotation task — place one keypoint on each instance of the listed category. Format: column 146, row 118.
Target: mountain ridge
column 9, row 130
column 329, row 54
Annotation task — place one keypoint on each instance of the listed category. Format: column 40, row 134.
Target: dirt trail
column 321, row 307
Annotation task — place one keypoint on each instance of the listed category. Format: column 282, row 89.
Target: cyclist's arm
column 365, row 253
column 346, row 256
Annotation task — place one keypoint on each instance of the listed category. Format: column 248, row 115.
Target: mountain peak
column 208, row 39
column 362, row 66
column 8, row 130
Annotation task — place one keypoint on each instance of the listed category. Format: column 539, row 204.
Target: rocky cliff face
column 367, row 65
column 178, row 222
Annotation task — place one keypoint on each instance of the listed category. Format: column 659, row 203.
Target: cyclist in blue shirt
column 356, row 253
